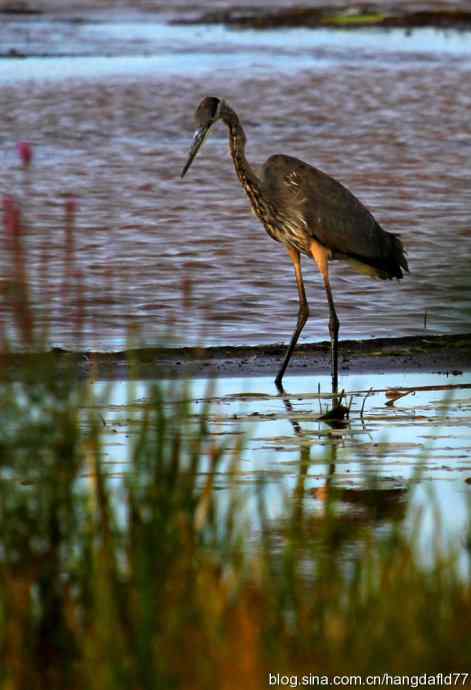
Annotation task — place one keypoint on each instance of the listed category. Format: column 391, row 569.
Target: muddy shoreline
column 343, row 17
column 449, row 354
column 356, row 15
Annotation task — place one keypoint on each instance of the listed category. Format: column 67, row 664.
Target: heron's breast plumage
column 289, row 228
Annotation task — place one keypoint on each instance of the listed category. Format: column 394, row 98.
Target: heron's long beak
column 198, row 139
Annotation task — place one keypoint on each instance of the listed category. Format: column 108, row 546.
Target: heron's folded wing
column 329, row 211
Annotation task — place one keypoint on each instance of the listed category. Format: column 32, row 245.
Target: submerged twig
column 364, row 401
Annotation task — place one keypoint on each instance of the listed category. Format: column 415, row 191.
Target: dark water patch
column 19, row 9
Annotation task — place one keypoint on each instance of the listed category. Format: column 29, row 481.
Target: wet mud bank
column 447, row 354
column 382, row 15
column 346, row 17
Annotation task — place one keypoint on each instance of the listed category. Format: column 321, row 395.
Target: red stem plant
column 17, row 285
column 25, row 152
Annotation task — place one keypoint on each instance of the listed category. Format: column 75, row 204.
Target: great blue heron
column 310, row 213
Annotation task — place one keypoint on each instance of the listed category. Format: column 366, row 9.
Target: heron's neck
column 237, row 140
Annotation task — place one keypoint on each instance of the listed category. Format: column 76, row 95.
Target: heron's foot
column 337, row 412
column 337, row 416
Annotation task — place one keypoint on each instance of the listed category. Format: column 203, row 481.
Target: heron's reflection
column 371, row 503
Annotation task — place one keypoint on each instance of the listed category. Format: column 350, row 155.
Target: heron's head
column 207, row 113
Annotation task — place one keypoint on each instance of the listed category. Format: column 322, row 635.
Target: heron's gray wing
column 329, row 212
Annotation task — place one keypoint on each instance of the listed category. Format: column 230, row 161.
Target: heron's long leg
column 321, row 257
column 303, row 313
column 334, row 334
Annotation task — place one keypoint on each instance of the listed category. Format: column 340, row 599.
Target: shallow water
column 386, row 113
column 420, row 445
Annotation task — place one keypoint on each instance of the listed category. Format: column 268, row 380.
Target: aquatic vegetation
column 25, row 152
column 349, row 16
column 107, row 584
column 355, row 19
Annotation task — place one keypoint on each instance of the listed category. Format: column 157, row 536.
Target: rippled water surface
column 108, row 107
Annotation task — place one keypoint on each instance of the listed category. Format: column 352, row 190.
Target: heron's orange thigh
column 321, row 256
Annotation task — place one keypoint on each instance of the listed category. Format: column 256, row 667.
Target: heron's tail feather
column 391, row 264
column 396, row 261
